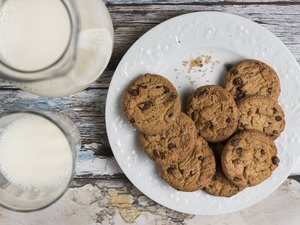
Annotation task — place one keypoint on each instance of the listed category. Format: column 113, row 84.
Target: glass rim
column 39, row 74
column 72, row 148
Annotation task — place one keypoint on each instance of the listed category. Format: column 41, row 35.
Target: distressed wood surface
column 176, row 2
column 101, row 194
column 93, row 202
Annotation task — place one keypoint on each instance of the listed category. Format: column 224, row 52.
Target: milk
column 34, row 34
column 35, row 154
column 94, row 49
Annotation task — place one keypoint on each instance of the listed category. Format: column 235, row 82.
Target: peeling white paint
column 98, row 166
column 90, row 205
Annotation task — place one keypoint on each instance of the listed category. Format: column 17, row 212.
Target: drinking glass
column 17, row 197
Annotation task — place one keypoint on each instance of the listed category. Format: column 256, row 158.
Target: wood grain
column 87, row 108
column 176, row 2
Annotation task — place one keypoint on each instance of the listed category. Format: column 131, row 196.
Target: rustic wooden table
column 100, row 193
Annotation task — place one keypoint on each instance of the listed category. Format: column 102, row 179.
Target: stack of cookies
column 168, row 136
column 224, row 142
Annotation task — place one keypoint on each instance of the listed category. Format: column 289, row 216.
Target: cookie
column 249, row 158
column 221, row 186
column 252, row 77
column 173, row 145
column 194, row 172
column 262, row 114
column 214, row 112
column 151, row 104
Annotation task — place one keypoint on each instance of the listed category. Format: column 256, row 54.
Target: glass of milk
column 37, row 159
column 54, row 47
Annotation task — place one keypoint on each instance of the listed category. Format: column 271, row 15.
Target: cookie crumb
column 207, row 59
column 197, row 62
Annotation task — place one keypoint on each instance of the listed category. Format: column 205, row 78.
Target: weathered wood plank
column 86, row 109
column 118, row 202
column 143, row 2
column 131, row 22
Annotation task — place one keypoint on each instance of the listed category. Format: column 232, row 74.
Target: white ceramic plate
column 167, row 49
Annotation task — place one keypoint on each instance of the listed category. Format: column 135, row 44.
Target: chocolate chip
column 214, row 177
column 236, row 179
column 199, row 93
column 172, row 97
column 155, row 153
column 237, row 81
column 235, row 162
column 262, row 152
column 132, row 120
column 275, row 132
column 278, row 118
column 171, row 145
column 143, row 86
column 171, row 170
column 162, row 155
column 234, row 142
column 171, row 115
column 134, row 92
column 166, row 90
column 192, row 173
column 208, row 125
column 275, row 160
column 210, row 186
column 240, row 151
column 274, row 110
column 228, row 120
column 234, row 72
column 228, row 66
column 200, row 158
column 257, row 111
column 145, row 105
column 269, row 90
column 181, row 171
column 239, row 93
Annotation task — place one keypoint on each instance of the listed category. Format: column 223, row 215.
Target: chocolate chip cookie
column 173, row 145
column 252, row 77
column 262, row 114
column 151, row 103
column 249, row 158
column 214, row 112
column 221, row 186
column 194, row 172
